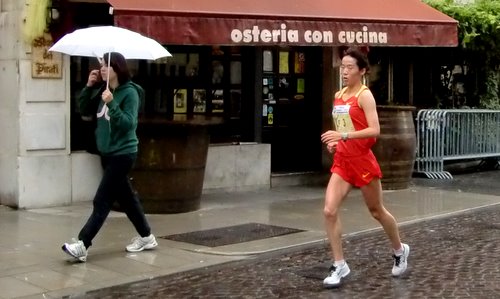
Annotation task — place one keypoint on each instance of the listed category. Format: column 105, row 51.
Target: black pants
column 115, row 185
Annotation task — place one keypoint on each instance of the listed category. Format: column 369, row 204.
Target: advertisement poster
column 267, row 65
column 200, row 100
column 218, row 101
column 300, row 60
column 283, row 63
column 300, row 85
column 180, row 101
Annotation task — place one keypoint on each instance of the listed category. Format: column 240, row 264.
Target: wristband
column 344, row 136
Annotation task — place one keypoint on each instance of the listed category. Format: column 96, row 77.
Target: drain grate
column 232, row 234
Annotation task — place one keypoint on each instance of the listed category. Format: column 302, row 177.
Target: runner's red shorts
column 356, row 170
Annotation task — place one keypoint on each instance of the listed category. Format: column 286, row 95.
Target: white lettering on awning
column 285, row 35
column 362, row 37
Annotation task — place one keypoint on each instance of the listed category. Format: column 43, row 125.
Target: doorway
column 291, row 109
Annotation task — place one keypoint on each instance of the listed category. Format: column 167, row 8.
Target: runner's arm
column 366, row 101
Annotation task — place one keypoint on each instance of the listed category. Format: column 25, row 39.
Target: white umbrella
column 96, row 41
column 99, row 40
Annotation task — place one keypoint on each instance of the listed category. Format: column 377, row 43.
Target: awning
column 288, row 22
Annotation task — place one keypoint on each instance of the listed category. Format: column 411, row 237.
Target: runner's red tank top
column 349, row 117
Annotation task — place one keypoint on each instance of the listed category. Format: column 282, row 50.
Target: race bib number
column 342, row 119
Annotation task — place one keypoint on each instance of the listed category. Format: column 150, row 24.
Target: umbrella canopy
column 96, row 41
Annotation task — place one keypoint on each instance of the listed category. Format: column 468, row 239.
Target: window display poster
column 200, row 100
column 300, row 60
column 283, row 63
column 300, row 85
column 267, row 58
column 265, row 92
column 270, row 115
column 180, row 101
column 284, row 85
column 218, row 101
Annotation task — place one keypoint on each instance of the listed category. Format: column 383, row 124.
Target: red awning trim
column 198, row 28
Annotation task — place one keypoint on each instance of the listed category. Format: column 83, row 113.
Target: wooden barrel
column 170, row 167
column 396, row 146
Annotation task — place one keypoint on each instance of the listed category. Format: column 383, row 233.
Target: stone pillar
column 35, row 162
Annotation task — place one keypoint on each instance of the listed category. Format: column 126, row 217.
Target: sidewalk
column 33, row 266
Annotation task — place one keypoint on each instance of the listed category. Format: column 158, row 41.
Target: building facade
column 268, row 69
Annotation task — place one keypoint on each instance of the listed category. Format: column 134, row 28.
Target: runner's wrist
column 344, row 136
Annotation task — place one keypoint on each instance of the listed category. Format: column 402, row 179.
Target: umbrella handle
column 109, row 63
column 107, row 73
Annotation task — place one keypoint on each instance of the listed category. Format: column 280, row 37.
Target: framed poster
column 299, row 62
column 218, row 101
column 180, row 101
column 200, row 100
column 267, row 61
column 301, row 85
column 283, row 63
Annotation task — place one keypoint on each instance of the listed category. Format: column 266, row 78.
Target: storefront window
column 291, row 103
column 378, row 77
column 197, row 80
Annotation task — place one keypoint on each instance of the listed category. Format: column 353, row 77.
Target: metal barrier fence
column 453, row 134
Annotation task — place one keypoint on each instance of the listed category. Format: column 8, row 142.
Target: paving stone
column 453, row 257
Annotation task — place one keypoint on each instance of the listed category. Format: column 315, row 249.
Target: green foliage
column 490, row 99
column 479, row 39
column 479, row 23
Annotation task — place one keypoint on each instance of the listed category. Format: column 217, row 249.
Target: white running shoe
column 336, row 274
column 401, row 261
column 76, row 250
column 140, row 244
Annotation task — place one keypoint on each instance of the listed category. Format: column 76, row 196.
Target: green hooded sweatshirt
column 117, row 120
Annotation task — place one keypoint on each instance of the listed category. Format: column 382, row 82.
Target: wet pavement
column 482, row 182
column 453, row 255
column 32, row 265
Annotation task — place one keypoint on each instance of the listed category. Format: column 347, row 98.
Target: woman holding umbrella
column 117, row 112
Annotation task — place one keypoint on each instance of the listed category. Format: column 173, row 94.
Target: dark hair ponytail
column 360, row 56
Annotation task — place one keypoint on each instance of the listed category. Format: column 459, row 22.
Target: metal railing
column 453, row 134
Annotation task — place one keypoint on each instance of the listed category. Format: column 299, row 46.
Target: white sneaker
column 401, row 261
column 76, row 250
column 140, row 244
column 336, row 275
